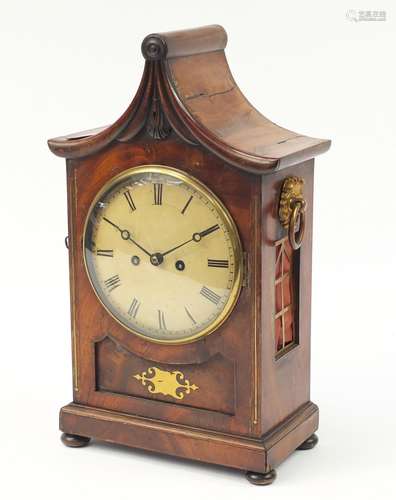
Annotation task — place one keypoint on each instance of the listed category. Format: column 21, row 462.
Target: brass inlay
column 73, row 204
column 168, row 383
column 255, row 340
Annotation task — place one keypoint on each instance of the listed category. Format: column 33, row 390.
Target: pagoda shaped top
column 187, row 88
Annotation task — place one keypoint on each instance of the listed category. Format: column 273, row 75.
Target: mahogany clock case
column 252, row 406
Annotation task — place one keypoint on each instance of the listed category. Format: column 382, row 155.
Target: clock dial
column 162, row 254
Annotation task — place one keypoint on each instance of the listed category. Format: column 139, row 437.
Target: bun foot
column 261, row 479
column 309, row 443
column 74, row 441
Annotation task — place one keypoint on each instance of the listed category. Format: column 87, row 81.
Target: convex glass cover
column 163, row 254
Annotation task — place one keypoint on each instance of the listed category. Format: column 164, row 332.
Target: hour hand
column 126, row 235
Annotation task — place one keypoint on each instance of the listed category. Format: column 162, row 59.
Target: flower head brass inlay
column 172, row 384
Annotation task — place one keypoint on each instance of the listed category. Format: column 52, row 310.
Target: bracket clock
column 190, row 231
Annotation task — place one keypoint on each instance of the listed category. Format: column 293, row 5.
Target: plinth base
column 258, row 456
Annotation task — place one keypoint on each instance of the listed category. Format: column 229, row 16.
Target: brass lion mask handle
column 292, row 209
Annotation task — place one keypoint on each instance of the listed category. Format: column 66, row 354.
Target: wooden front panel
column 224, row 365
column 121, row 372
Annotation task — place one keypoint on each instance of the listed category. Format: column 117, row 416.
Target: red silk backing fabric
column 284, row 306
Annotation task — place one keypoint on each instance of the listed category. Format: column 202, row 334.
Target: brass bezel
column 231, row 227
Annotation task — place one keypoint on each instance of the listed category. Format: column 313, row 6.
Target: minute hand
column 195, row 237
column 210, row 229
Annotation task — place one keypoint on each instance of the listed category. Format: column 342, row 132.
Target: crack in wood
column 290, row 139
column 213, row 94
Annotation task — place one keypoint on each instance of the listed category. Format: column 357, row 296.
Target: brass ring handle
column 296, row 236
column 292, row 210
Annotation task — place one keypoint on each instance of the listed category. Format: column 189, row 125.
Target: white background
column 71, row 65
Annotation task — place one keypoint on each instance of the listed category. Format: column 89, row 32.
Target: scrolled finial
column 154, row 48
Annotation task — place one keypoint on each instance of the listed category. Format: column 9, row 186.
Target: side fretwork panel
column 286, row 298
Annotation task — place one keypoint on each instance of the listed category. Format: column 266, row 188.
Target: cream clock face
column 163, row 254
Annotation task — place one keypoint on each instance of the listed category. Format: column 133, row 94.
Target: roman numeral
column 134, row 308
column 189, row 315
column 105, row 253
column 186, row 205
column 112, row 283
column 161, row 320
column 157, row 194
column 129, row 199
column 210, row 295
column 218, row 263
